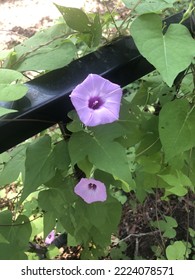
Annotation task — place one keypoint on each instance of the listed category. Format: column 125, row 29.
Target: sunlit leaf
column 176, row 251
column 75, row 18
column 171, row 52
column 5, row 111
column 46, row 50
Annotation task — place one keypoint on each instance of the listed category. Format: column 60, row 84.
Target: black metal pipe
column 47, row 101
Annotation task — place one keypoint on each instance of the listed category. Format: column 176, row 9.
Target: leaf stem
column 137, row 235
column 149, row 147
column 113, row 20
column 22, row 57
column 16, row 225
column 127, row 19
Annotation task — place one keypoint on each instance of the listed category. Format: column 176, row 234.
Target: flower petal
column 50, row 238
column 92, row 88
column 91, row 194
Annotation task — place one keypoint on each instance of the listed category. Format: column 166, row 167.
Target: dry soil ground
column 22, row 18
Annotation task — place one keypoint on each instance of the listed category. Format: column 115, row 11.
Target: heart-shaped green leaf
column 171, row 52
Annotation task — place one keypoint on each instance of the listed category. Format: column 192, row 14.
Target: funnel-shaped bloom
column 97, row 100
column 91, row 190
column 50, row 238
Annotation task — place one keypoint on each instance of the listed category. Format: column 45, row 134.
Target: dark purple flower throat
column 95, row 102
column 92, row 186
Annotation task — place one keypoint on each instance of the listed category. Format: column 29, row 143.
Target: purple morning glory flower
column 50, row 238
column 91, row 190
column 97, row 100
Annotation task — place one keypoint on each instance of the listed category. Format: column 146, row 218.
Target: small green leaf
column 75, row 125
column 171, row 52
column 12, row 92
column 166, row 226
column 75, row 18
column 8, row 76
column 176, row 127
column 5, row 111
column 176, row 251
column 191, row 232
column 10, row 87
column 86, row 166
column 178, row 181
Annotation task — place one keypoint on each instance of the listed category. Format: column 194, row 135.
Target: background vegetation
column 145, row 159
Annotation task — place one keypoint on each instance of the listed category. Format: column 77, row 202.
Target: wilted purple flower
column 97, row 100
column 91, row 190
column 50, row 238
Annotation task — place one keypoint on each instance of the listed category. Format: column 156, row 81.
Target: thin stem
column 149, row 147
column 189, row 12
column 113, row 20
column 21, row 58
column 63, row 130
column 137, row 235
column 132, row 10
column 16, row 225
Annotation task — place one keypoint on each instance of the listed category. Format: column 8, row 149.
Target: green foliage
column 11, row 88
column 148, row 6
column 166, row 226
column 177, row 251
column 39, row 165
column 52, row 252
column 106, row 155
column 159, row 49
column 118, row 253
column 14, row 236
column 177, row 181
column 76, row 19
column 173, row 130
column 148, row 152
column 37, row 53
column 13, row 166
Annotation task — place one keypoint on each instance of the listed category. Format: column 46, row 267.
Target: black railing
column 47, row 101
